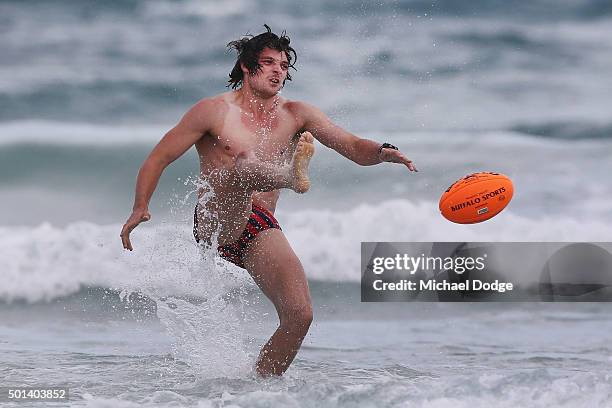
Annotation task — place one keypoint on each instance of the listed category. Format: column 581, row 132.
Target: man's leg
column 255, row 175
column 279, row 274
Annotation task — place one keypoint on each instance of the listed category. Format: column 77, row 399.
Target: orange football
column 476, row 197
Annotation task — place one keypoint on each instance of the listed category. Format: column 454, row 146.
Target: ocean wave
column 87, row 172
column 44, row 263
column 42, row 134
column 576, row 130
column 101, row 100
column 80, row 61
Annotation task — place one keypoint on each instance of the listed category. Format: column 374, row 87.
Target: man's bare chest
column 268, row 137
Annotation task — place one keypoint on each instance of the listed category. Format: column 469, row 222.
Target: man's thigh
column 277, row 270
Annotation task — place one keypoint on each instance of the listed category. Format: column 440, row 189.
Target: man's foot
column 300, row 183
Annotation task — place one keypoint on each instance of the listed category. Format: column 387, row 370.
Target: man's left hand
column 395, row 156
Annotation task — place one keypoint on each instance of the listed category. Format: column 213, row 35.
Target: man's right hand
column 136, row 218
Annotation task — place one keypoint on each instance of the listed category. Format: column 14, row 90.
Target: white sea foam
column 164, row 9
column 79, row 134
column 503, row 389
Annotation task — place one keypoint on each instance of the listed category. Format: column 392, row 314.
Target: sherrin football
column 476, row 197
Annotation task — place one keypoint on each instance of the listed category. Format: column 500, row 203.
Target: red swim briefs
column 260, row 220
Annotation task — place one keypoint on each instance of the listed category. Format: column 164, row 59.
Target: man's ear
column 244, row 69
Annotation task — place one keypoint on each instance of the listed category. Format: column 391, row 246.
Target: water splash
column 208, row 332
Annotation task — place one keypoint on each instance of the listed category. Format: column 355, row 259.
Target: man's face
column 270, row 78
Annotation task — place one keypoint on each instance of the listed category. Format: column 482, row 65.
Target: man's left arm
column 362, row 151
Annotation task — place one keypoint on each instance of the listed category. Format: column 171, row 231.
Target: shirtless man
column 252, row 142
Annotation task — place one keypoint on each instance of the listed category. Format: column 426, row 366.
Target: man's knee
column 297, row 317
column 286, row 286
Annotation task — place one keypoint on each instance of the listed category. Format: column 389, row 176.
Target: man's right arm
column 196, row 122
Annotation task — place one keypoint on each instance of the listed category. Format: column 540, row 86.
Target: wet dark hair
column 249, row 49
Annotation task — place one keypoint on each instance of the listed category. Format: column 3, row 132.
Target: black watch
column 386, row 146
